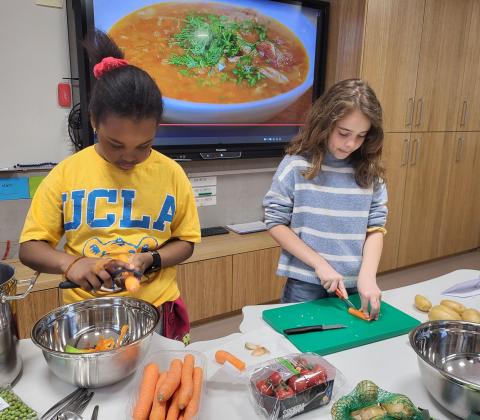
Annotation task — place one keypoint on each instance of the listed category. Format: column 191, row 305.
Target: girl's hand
column 90, row 274
column 371, row 294
column 330, row 279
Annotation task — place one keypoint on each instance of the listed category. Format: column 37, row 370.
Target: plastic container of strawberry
column 284, row 387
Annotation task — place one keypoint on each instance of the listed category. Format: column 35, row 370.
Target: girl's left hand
column 371, row 294
column 141, row 261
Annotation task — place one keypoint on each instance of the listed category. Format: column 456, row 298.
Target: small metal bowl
column 80, row 324
column 448, row 355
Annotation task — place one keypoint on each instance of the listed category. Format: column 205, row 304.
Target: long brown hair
column 341, row 99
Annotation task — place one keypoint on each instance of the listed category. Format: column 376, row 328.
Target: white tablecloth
column 390, row 363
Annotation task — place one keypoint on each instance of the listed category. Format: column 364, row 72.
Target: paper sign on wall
column 14, row 188
column 33, row 183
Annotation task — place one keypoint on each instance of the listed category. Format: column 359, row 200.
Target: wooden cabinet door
column 391, row 49
column 254, row 278
column 461, row 221
column 29, row 310
column 468, row 111
column 206, row 287
column 395, row 159
column 425, row 193
column 442, row 61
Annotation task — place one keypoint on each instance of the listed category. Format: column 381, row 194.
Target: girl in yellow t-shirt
column 119, row 197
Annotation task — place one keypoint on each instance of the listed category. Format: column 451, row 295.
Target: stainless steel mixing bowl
column 448, row 355
column 80, row 324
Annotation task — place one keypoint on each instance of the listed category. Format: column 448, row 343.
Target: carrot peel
column 358, row 314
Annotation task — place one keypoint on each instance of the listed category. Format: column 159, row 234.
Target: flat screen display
column 232, row 73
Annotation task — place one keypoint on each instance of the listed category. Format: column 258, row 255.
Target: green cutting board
column 391, row 323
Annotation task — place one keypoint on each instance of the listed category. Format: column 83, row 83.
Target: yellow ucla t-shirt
column 105, row 211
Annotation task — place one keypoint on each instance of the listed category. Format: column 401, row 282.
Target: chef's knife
column 341, row 296
column 312, row 328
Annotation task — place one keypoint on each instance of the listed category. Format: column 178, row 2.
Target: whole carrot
column 193, row 406
column 173, row 410
column 358, row 314
column 186, row 386
column 174, row 376
column 222, row 356
column 159, row 408
column 146, row 393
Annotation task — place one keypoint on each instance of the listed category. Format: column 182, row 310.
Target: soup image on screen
column 213, row 53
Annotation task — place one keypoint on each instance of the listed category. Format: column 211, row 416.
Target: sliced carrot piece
column 222, row 356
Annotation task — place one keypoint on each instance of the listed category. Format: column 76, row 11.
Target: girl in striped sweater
column 327, row 204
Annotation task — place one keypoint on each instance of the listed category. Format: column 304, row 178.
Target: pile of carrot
column 171, row 395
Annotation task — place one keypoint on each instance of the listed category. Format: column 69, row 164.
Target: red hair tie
column 107, row 64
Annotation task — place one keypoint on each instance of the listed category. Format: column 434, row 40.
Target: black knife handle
column 300, row 330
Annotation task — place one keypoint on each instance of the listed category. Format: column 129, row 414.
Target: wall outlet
column 50, row 3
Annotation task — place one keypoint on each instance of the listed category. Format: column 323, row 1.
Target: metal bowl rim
column 456, row 379
column 96, row 354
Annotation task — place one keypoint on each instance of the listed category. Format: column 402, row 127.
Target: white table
column 391, row 364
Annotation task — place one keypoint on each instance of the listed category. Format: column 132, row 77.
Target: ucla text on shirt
column 78, row 199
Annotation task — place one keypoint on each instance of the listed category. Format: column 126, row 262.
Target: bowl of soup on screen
column 221, row 62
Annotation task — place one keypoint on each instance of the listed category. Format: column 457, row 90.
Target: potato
column 456, row 306
column 368, row 413
column 443, row 313
column 471, row 315
column 422, row 303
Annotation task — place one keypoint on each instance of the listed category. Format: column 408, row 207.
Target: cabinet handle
column 405, row 152
column 463, row 118
column 414, row 155
column 409, row 115
column 418, row 120
column 458, row 156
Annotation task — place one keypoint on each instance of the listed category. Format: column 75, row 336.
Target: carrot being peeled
column 222, row 356
column 186, row 386
column 146, row 393
column 132, row 284
column 174, row 376
column 159, row 408
column 358, row 314
column 193, row 406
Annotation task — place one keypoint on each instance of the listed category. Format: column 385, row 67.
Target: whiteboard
column 34, row 58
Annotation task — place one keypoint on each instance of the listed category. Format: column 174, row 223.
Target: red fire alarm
column 64, row 95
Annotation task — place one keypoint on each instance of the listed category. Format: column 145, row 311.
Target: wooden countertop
column 211, row 247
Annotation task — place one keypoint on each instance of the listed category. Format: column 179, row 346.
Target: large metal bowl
column 448, row 354
column 80, row 324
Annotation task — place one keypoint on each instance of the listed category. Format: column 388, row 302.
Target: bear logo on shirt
column 94, row 247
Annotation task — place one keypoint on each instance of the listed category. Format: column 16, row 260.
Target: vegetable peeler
column 118, row 275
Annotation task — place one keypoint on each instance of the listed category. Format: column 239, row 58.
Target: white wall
column 33, row 59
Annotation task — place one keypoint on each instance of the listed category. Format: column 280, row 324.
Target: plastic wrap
column 290, row 385
column 12, row 407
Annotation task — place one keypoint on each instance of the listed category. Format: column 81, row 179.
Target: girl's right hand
column 90, row 274
column 330, row 279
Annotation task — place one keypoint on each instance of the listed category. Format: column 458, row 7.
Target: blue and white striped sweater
column 330, row 213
